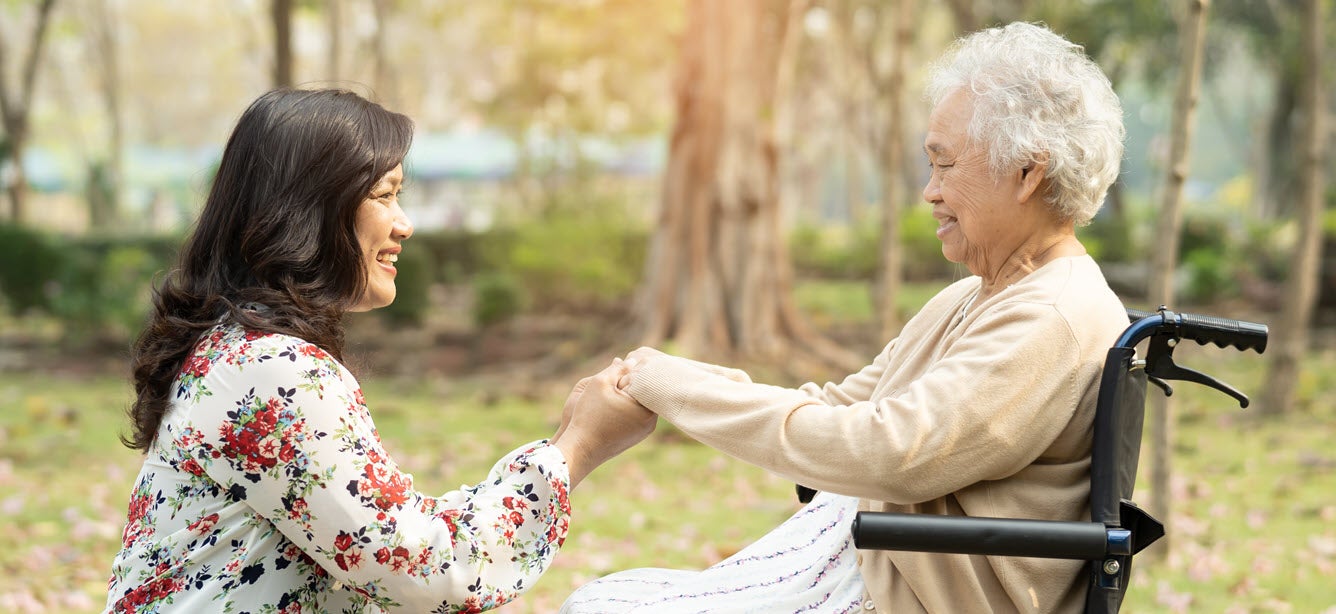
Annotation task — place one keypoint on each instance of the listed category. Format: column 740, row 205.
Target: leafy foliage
column 496, row 298
column 838, row 253
column 412, row 289
column 584, row 253
column 93, row 286
column 27, row 258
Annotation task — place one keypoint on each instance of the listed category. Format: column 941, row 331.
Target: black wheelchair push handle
column 1203, row 329
column 986, row 536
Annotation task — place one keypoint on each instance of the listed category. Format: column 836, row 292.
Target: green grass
column 1253, row 526
column 849, row 301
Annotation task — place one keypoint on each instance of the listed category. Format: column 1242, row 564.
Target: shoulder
column 1074, row 292
column 951, row 297
column 230, row 348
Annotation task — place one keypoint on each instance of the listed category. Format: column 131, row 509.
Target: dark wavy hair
column 277, row 229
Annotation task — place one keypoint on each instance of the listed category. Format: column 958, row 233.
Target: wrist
column 577, row 464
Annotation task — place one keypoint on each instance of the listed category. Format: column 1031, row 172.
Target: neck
column 1026, row 259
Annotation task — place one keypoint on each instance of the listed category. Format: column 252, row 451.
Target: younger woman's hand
column 600, row 421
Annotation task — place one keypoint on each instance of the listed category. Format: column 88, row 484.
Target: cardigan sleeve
column 287, row 433
column 855, row 386
column 997, row 398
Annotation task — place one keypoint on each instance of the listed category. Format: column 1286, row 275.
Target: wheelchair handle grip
column 1204, row 329
column 986, row 536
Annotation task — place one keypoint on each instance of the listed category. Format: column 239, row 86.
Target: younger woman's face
column 381, row 227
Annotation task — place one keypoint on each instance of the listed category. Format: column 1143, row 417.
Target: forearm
column 947, row 430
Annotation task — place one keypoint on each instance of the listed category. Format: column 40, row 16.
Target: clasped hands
column 600, row 420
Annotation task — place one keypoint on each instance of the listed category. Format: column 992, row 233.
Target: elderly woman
column 984, row 404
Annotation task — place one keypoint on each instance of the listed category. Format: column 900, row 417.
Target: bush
column 452, row 256
column 856, row 253
column 1210, row 274
column 95, row 286
column 577, row 258
column 833, row 253
column 28, row 262
column 496, row 298
column 104, row 288
column 412, row 287
column 1202, row 230
column 1108, row 239
column 922, row 250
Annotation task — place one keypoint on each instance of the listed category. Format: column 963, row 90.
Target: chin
column 373, row 301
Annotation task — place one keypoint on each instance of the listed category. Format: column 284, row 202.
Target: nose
column 932, row 191
column 403, row 227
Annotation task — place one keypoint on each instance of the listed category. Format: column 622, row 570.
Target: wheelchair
column 1117, row 529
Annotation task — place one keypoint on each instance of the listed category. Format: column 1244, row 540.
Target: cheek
column 370, row 230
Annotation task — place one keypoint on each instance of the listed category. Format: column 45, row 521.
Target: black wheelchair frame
column 1117, row 529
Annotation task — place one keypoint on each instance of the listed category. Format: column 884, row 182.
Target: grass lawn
column 1253, row 527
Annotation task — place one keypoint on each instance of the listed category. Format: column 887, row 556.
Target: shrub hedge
column 588, row 260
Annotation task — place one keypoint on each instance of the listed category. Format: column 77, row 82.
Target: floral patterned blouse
column 267, row 490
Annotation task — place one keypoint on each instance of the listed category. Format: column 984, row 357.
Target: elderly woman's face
column 381, row 227
column 979, row 220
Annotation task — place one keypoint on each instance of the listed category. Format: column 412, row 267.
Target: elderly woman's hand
column 637, row 359
column 599, row 421
column 633, row 360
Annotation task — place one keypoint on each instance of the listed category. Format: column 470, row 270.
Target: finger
column 642, row 353
column 578, row 389
column 608, row 383
column 617, row 368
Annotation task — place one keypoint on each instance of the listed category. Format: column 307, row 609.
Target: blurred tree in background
column 16, row 101
column 561, row 123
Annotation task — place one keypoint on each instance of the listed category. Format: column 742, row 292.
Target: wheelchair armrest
column 988, row 536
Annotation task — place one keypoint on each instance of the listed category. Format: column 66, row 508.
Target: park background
column 563, row 148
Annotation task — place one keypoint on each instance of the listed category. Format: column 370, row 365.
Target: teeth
column 391, row 258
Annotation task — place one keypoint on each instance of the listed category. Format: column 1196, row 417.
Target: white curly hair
column 1038, row 98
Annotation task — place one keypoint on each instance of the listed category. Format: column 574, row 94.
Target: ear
column 1031, row 177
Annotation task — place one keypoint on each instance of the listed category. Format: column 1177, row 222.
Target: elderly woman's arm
column 995, row 401
column 858, row 385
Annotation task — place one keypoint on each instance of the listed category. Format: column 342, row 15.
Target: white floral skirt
column 807, row 564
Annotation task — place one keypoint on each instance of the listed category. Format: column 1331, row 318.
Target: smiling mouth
column 944, row 225
column 387, row 259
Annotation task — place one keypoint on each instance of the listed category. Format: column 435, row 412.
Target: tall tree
column 1268, row 27
column 1164, row 257
column 16, row 105
column 718, row 278
column 1291, row 336
column 282, row 21
column 383, row 73
column 969, row 15
column 334, row 53
column 894, row 182
column 879, row 37
column 105, row 177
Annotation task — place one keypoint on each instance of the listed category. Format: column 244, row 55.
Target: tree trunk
column 383, row 69
column 967, row 19
column 334, row 54
column 895, row 193
column 1278, row 185
column 15, row 105
column 1291, row 332
column 1164, row 259
column 718, row 279
column 106, row 179
column 282, row 17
